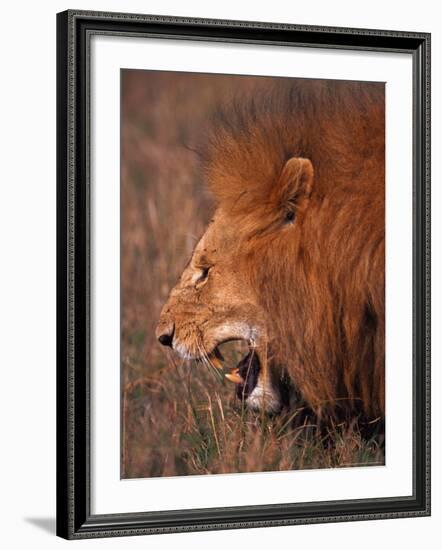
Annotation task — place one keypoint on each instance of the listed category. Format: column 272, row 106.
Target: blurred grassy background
column 177, row 418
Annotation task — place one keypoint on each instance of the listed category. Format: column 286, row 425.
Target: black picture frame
column 74, row 518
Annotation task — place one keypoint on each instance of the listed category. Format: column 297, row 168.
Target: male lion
column 293, row 260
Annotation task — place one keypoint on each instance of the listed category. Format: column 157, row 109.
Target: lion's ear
column 296, row 180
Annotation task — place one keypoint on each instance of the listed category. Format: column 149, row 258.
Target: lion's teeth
column 234, row 377
column 216, row 362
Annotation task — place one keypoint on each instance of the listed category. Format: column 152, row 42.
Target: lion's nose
column 166, row 335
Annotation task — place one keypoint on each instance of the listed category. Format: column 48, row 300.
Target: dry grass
column 179, row 418
column 181, row 421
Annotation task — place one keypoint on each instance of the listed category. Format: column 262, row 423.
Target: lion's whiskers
column 206, row 359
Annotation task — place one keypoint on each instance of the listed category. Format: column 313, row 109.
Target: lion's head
column 292, row 261
column 215, row 300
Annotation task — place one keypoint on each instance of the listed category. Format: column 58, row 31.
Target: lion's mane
column 323, row 290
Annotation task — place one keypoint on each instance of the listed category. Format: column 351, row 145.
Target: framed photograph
column 243, row 274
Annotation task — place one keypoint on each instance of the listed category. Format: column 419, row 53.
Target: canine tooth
column 216, row 362
column 234, row 377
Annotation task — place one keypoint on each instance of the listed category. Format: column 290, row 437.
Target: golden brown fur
column 315, row 284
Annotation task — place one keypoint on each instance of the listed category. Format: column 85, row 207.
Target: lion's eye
column 204, row 274
column 290, row 216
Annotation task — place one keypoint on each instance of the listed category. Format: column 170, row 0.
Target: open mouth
column 245, row 373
